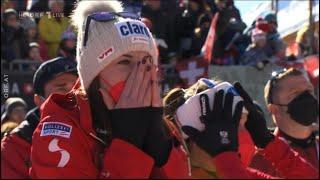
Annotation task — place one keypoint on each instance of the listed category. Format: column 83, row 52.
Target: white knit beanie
column 107, row 40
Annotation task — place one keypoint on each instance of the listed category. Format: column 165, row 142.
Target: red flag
column 208, row 44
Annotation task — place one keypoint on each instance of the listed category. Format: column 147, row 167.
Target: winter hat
column 107, row 40
column 33, row 44
column 257, row 34
column 28, row 22
column 10, row 104
column 68, row 35
column 9, row 12
column 271, row 18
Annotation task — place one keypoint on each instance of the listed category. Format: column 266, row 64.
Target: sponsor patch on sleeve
column 56, row 129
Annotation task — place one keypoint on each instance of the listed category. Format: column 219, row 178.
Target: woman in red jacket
column 110, row 125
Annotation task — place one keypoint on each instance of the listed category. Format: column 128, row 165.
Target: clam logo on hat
column 132, row 28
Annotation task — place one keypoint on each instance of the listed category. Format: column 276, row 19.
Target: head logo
column 105, row 54
column 132, row 28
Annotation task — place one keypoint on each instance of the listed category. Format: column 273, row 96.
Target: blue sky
column 288, row 19
column 245, row 6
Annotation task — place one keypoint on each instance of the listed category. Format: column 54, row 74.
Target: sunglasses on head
column 274, row 78
column 105, row 17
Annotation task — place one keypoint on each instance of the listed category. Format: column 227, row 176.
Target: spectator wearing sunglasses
column 291, row 102
column 110, row 124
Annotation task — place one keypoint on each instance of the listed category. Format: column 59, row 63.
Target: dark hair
column 99, row 112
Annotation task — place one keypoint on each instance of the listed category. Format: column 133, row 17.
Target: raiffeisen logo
column 130, row 28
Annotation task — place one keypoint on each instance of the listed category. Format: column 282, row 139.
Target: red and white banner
column 192, row 69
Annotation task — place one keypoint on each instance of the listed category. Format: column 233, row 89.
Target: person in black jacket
column 12, row 36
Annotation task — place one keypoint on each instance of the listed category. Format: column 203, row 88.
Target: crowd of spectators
column 39, row 30
column 39, row 33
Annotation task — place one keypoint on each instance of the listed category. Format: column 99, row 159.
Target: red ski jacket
column 64, row 145
column 308, row 155
column 15, row 148
column 278, row 153
column 15, row 156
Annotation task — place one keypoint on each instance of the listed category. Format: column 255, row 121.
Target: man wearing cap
column 291, row 101
column 55, row 76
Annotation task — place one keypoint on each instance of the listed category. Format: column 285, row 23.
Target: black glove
column 157, row 144
column 129, row 125
column 221, row 129
column 256, row 123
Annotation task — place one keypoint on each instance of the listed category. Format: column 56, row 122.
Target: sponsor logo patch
column 139, row 40
column 129, row 28
column 105, row 54
column 56, row 129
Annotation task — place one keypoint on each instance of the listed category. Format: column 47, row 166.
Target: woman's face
column 120, row 69
column 18, row 113
column 70, row 43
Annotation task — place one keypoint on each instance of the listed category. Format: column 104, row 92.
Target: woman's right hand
column 137, row 91
column 127, row 115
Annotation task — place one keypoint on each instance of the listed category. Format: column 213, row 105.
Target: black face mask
column 304, row 109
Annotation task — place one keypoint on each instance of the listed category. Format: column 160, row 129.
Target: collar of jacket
column 303, row 143
column 71, row 105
